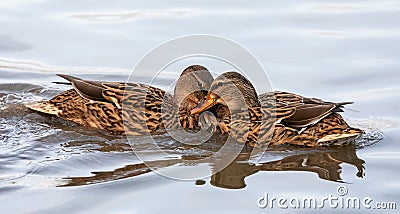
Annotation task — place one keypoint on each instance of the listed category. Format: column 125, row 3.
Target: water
column 338, row 51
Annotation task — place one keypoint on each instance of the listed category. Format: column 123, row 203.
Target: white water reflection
column 129, row 16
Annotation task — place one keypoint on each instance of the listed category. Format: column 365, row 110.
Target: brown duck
column 275, row 118
column 130, row 108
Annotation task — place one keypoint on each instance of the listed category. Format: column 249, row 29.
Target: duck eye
column 200, row 85
column 219, row 84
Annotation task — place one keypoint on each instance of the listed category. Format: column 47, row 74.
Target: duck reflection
column 326, row 163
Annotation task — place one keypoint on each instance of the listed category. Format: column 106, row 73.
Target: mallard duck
column 277, row 117
column 130, row 108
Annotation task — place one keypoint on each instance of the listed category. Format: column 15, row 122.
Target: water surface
column 337, row 51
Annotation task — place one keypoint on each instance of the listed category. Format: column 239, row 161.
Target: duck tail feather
column 43, row 107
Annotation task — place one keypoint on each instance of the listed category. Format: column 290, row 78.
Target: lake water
column 337, row 51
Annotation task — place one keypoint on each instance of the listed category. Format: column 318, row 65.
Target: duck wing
column 91, row 90
column 297, row 111
column 329, row 131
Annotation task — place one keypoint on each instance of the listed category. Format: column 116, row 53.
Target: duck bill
column 206, row 104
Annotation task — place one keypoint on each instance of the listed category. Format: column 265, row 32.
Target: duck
column 129, row 108
column 275, row 118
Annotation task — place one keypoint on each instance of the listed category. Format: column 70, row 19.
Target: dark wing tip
column 339, row 106
column 62, row 83
column 68, row 77
column 344, row 103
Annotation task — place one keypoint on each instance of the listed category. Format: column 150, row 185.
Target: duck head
column 232, row 90
column 192, row 86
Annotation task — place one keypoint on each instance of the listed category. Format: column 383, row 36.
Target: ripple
column 129, row 16
column 22, row 65
column 371, row 137
column 17, row 3
column 350, row 7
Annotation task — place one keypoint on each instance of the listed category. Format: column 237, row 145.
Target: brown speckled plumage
column 276, row 118
column 126, row 108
